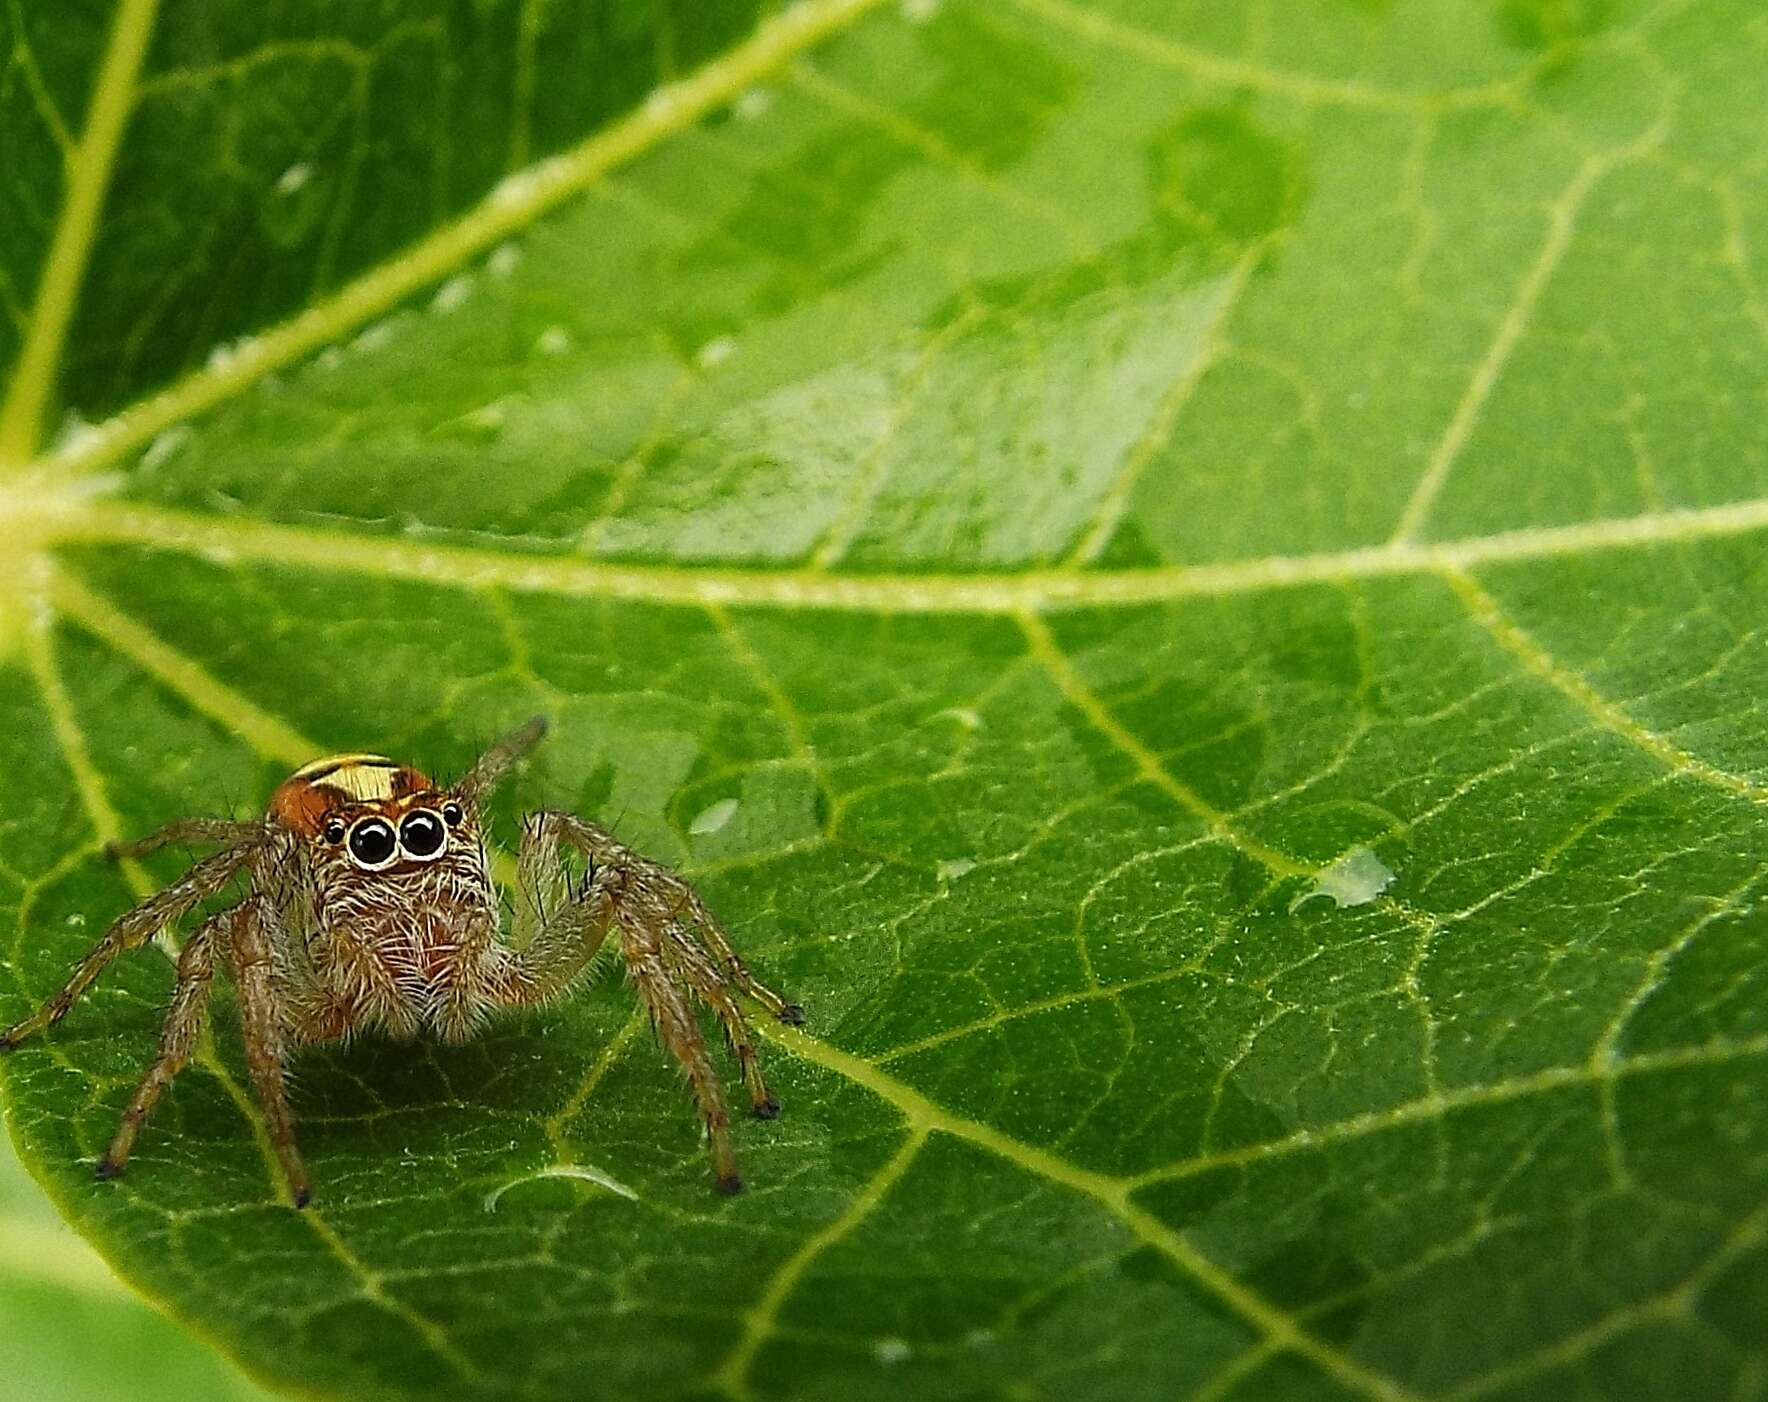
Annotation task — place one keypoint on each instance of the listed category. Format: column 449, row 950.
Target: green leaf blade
column 1189, row 586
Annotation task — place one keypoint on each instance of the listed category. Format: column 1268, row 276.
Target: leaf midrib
column 54, row 519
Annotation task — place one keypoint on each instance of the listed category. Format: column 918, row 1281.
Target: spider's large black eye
column 422, row 833
column 372, row 842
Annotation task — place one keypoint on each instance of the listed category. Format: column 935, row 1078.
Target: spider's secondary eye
column 334, row 830
column 451, row 814
column 422, row 833
column 372, row 842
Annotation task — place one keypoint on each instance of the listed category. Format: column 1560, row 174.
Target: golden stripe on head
column 304, row 799
column 364, row 778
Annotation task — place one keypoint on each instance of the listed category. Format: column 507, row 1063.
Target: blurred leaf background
column 69, row 1330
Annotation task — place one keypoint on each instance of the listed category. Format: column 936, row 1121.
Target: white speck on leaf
column 890, row 1351
column 294, row 178
column 555, row 340
column 524, row 185
column 715, row 352
column 165, row 445
column 753, row 103
column 951, row 871
column 1356, row 878
column 503, row 259
column 330, row 358
column 919, row 11
column 76, row 436
column 452, row 294
column 964, row 716
column 374, row 337
column 713, row 817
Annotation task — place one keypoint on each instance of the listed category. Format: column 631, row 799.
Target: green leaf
column 1187, row 577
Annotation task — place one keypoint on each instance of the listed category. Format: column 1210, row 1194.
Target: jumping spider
column 372, row 909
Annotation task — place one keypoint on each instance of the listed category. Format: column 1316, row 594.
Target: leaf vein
column 65, row 261
column 510, row 207
column 1485, row 610
column 479, row 566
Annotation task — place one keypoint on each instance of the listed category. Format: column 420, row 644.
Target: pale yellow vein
column 47, row 520
column 265, row 733
column 1675, row 1305
column 1112, row 1193
column 557, row 1122
column 65, row 262
column 1538, row 662
column 1562, row 221
column 510, row 207
column 1159, row 434
column 1061, row 671
column 1598, row 1072
column 761, row 1320
column 909, row 133
column 1167, row 52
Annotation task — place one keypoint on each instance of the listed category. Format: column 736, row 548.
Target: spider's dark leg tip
column 6, row 1045
column 768, row 1109
column 302, row 1196
column 105, row 1170
column 730, row 1185
column 113, row 851
column 792, row 1015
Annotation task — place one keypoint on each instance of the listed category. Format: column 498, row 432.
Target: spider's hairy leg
column 706, row 923
column 131, row 930
column 653, row 910
column 573, row 933
column 249, row 950
column 497, row 761
column 701, row 974
column 601, row 846
column 178, row 1035
column 186, row 830
column 644, row 925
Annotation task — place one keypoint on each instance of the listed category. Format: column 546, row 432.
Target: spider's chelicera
column 372, row 909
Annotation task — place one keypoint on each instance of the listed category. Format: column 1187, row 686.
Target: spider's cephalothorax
column 372, row 908
column 386, row 883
